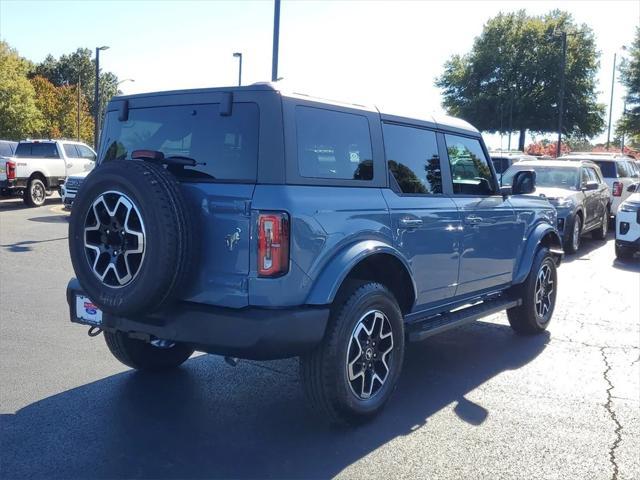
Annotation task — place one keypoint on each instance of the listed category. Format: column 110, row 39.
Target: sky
column 386, row 53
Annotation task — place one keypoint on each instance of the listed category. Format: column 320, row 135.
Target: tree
column 630, row 76
column 78, row 66
column 19, row 116
column 513, row 70
column 59, row 107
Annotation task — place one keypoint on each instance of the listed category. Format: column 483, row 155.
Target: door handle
column 408, row 222
column 474, row 219
column 69, row 165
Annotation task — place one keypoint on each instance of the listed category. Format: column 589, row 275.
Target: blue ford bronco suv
column 251, row 223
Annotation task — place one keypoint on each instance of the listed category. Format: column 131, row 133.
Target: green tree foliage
column 630, row 76
column 514, row 68
column 59, row 108
column 19, row 116
column 78, row 66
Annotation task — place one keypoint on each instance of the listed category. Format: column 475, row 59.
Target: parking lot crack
column 609, row 407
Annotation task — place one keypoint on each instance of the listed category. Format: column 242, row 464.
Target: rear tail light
column 617, row 189
column 273, row 244
column 11, row 170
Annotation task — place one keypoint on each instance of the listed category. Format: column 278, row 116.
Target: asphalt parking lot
column 478, row 402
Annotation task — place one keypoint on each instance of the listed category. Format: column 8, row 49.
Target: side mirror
column 591, row 185
column 633, row 188
column 524, row 182
column 506, row 191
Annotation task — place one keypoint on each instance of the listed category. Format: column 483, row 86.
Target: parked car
column 7, row 148
column 628, row 226
column 38, row 167
column 252, row 223
column 618, row 171
column 577, row 190
column 502, row 160
column 69, row 188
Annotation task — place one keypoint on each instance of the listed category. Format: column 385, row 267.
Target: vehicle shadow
column 25, row 245
column 630, row 265
column 16, row 203
column 588, row 245
column 51, row 219
column 207, row 419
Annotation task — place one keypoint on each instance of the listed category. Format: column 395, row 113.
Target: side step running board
column 446, row 321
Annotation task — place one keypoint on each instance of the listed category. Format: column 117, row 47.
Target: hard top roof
column 435, row 121
column 596, row 156
column 573, row 162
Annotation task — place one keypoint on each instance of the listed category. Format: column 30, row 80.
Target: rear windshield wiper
column 158, row 157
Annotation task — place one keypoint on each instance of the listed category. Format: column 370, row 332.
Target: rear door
column 87, row 157
column 491, row 236
column 224, row 140
column 73, row 163
column 425, row 222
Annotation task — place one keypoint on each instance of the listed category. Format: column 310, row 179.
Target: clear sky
column 386, row 53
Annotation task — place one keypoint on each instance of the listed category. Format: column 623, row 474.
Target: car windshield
column 546, row 176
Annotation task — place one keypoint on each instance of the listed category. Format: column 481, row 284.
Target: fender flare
column 326, row 285
column 531, row 247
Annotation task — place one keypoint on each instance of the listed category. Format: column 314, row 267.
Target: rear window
column 37, row 150
column 333, row 145
column 225, row 147
column 608, row 169
column 5, row 149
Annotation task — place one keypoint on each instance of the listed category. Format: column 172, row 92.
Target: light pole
column 561, row 100
column 613, row 81
column 125, row 80
column 96, row 104
column 276, row 40
column 78, row 119
column 238, row 55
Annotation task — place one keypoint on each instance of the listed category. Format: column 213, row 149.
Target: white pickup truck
column 39, row 167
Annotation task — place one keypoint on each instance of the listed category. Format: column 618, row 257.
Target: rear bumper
column 12, row 184
column 253, row 333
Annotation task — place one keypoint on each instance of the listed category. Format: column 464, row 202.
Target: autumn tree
column 19, row 115
column 630, row 76
column 75, row 67
column 512, row 76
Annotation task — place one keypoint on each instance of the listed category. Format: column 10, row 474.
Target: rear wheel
column 352, row 374
column 538, row 294
column 35, row 194
column 145, row 356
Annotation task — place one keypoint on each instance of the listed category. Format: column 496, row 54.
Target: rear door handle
column 69, row 165
column 409, row 222
column 474, row 219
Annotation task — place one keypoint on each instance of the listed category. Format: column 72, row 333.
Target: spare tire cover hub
column 114, row 239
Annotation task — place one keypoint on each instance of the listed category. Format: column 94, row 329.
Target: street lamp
column 96, row 105
column 125, row 80
column 238, row 55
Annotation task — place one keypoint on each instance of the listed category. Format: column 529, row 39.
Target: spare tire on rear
column 130, row 237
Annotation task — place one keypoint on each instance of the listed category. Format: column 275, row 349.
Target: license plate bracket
column 87, row 311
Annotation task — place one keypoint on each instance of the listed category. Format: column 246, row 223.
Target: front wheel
column 601, row 233
column 572, row 243
column 350, row 376
column 623, row 253
column 145, row 356
column 35, row 194
column 538, row 295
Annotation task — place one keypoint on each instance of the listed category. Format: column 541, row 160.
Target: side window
column 333, row 145
column 593, row 175
column 70, row 150
column 470, row 170
column 584, row 176
column 623, row 169
column 5, row 149
column 85, row 152
column 412, row 156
